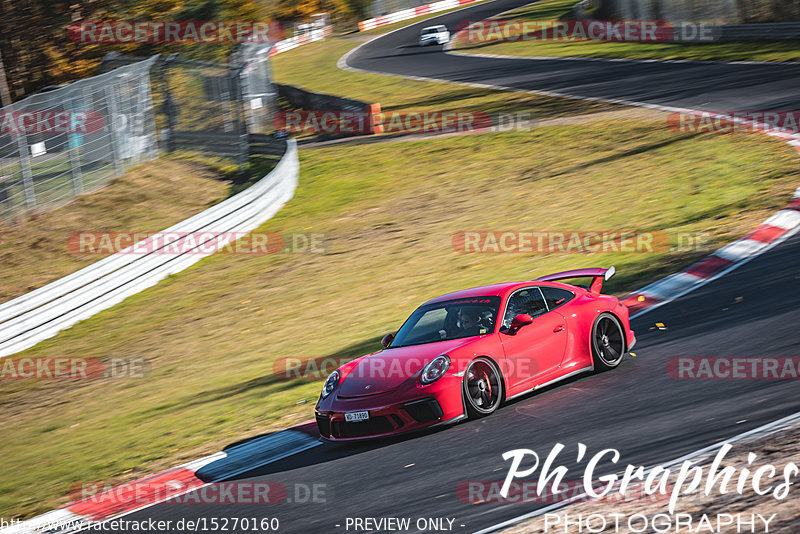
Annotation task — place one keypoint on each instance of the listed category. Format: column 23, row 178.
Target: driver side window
column 528, row 301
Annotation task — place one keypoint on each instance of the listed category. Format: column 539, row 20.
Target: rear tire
column 482, row 387
column 608, row 342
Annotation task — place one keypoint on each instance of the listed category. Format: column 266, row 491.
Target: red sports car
column 463, row 354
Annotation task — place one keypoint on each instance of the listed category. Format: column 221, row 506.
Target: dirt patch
column 147, row 198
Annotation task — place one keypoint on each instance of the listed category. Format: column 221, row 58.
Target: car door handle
column 559, row 328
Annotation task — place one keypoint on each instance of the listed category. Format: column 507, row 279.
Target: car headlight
column 435, row 369
column 330, row 383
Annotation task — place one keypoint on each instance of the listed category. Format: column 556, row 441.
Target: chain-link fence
column 75, row 138
column 201, row 104
column 258, row 91
column 703, row 11
column 211, row 107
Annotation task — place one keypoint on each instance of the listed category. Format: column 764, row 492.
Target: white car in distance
column 434, row 35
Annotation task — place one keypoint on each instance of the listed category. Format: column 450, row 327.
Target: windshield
column 452, row 319
column 429, row 31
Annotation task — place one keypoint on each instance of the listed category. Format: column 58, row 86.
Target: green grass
column 388, row 211
column 562, row 10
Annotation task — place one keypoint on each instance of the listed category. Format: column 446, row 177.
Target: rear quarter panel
column 580, row 314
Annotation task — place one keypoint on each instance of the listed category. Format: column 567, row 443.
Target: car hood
column 387, row 369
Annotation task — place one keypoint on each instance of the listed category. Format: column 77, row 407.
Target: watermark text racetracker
column 401, row 121
column 526, row 492
column 628, row 31
column 50, row 121
column 606, row 241
column 293, row 368
column 161, row 31
column 201, row 242
column 742, row 121
column 72, row 368
column 733, row 368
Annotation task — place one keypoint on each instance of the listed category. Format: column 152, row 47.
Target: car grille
column 324, row 424
column 375, row 425
column 424, row 410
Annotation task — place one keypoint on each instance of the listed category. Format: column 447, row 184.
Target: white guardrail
column 411, row 12
column 42, row 313
column 298, row 40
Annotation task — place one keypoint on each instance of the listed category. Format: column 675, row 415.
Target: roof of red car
column 498, row 290
column 482, row 291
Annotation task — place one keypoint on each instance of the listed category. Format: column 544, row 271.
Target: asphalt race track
column 751, row 312
column 708, row 86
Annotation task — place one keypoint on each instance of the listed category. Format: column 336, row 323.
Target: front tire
column 608, row 342
column 483, row 388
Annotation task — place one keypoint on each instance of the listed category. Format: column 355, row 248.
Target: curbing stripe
column 709, row 267
column 738, row 250
column 147, row 491
column 662, row 289
column 788, row 219
column 173, row 482
column 766, row 233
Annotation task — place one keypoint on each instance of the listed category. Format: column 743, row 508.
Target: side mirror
column 518, row 322
column 387, row 340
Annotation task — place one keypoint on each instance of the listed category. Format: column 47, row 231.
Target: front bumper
column 383, row 421
column 392, row 412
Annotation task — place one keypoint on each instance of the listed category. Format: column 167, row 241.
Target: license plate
column 355, row 417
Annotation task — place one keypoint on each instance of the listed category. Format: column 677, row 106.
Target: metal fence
column 258, row 91
column 77, row 138
column 74, row 139
column 208, row 106
column 703, row 11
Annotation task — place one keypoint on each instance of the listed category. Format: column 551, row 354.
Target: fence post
column 109, row 58
column 148, row 118
column 238, row 98
column 25, row 166
column 75, row 169
column 74, row 141
column 170, row 109
column 111, row 91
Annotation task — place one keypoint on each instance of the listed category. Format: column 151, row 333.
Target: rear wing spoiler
column 598, row 275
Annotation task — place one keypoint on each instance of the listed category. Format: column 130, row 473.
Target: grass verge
column 388, row 212
column 562, row 10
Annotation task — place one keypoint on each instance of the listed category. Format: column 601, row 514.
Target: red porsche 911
column 463, row 354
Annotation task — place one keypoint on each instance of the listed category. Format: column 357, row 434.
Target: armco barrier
column 310, row 101
column 42, row 313
column 297, row 40
column 410, row 13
